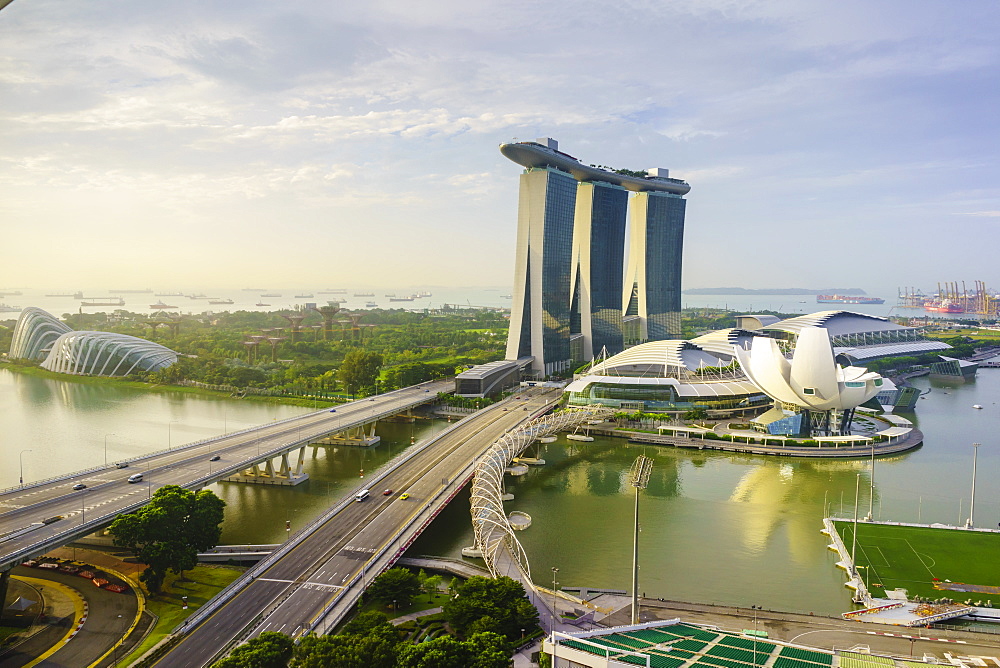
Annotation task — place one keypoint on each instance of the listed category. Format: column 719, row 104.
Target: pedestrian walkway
column 402, row 619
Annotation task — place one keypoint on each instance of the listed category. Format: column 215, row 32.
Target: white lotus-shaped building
column 811, row 381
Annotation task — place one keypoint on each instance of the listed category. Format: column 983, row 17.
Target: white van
column 362, row 495
column 135, row 477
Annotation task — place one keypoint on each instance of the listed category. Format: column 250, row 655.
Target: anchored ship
column 848, row 299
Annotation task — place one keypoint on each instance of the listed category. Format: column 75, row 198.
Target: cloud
column 981, row 214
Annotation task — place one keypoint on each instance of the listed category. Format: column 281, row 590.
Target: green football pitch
column 912, row 557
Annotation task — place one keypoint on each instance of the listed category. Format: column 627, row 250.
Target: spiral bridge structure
column 495, row 537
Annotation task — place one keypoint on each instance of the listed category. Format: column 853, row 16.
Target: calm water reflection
column 716, row 527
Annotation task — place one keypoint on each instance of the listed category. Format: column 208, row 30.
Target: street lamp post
column 20, row 458
column 106, row 447
column 121, row 638
column 169, row 440
column 972, row 503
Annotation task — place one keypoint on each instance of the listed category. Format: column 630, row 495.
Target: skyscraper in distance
column 569, row 300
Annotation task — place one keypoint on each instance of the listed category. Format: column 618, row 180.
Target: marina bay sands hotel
column 571, row 298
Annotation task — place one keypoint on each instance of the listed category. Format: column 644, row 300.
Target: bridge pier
column 357, row 436
column 284, row 475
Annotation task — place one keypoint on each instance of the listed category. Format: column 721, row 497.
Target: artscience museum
column 789, row 377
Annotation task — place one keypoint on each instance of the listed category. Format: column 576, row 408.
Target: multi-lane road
column 23, row 510
column 293, row 593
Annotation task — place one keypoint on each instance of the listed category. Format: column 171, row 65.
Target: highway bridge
column 40, row 516
column 311, row 582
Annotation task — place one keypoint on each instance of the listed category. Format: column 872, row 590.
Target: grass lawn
column 418, row 604
column 199, row 585
column 911, row 557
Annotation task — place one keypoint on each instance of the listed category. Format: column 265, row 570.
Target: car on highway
column 79, row 485
column 122, row 465
column 214, row 458
column 333, row 410
column 404, row 496
column 387, row 492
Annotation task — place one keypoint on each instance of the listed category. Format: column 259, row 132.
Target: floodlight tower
column 328, row 313
column 295, row 322
column 638, row 477
column 972, row 504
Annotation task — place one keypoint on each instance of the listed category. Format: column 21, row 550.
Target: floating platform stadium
column 672, row 644
column 914, row 575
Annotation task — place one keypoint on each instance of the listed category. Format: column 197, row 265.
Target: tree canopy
column 483, row 650
column 168, row 533
column 268, row 650
column 396, row 584
column 359, row 370
column 502, row 600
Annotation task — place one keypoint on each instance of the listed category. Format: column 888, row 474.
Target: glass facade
column 607, row 252
column 557, row 256
column 664, row 245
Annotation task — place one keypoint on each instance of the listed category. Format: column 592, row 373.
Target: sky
column 301, row 143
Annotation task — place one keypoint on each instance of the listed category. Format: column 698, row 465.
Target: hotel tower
column 572, row 300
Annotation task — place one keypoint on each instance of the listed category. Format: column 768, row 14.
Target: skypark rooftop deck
column 533, row 154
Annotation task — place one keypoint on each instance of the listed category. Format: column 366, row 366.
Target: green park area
column 930, row 563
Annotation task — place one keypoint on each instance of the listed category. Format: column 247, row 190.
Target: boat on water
column 333, row 291
column 401, row 299
column 75, row 295
column 848, row 299
column 103, row 302
column 547, row 439
column 169, row 294
column 199, row 296
column 943, row 306
column 220, row 301
column 7, row 308
column 160, row 305
column 390, row 295
column 261, row 304
column 270, row 295
column 303, row 296
column 370, row 304
column 579, row 437
column 364, row 294
column 421, row 295
column 10, row 293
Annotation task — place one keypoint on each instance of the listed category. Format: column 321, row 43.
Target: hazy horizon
column 202, row 145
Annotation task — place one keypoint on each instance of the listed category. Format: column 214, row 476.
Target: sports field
column 932, row 563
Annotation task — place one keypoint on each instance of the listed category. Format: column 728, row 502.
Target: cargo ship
column 943, row 306
column 160, row 305
column 848, row 299
column 118, row 301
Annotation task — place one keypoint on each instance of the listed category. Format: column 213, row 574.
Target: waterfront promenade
column 909, row 441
